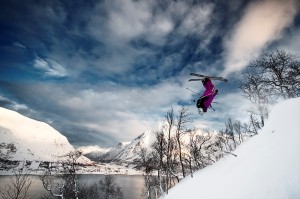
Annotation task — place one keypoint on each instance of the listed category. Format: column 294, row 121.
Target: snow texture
column 267, row 165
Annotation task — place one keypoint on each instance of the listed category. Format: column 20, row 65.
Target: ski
column 213, row 78
column 195, row 80
column 200, row 79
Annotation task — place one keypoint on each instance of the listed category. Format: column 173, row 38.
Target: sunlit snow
column 267, row 166
column 33, row 140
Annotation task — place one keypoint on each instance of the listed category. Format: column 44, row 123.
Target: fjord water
column 131, row 185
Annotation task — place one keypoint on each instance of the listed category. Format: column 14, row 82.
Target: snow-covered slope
column 267, row 165
column 93, row 149
column 23, row 138
column 93, row 152
column 129, row 151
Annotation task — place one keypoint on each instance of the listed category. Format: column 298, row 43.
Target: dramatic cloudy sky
column 104, row 71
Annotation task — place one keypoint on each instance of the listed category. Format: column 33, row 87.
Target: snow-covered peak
column 93, row 149
column 121, row 144
column 146, row 139
column 29, row 139
column 129, row 151
column 267, row 166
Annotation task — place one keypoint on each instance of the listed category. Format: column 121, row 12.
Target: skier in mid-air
column 204, row 102
column 207, row 97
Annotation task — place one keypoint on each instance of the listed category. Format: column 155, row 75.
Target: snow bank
column 267, row 165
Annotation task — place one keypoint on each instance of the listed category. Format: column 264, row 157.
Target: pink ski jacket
column 209, row 93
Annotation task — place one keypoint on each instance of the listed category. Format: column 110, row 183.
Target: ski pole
column 193, row 91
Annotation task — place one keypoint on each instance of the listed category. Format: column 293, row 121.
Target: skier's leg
column 199, row 102
column 209, row 100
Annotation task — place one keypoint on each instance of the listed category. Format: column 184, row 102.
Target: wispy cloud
column 128, row 19
column 19, row 45
column 5, row 102
column 117, row 108
column 262, row 23
column 196, row 19
column 50, row 67
column 129, row 29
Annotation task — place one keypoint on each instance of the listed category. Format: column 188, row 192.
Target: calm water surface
column 131, row 185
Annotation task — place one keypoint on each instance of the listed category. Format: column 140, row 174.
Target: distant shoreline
column 39, row 168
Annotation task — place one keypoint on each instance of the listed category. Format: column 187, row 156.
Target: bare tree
column 229, row 130
column 63, row 186
column 109, row 189
column 159, row 151
column 148, row 163
column 167, row 149
column 274, row 74
column 254, row 124
column 182, row 120
column 189, row 162
column 196, row 145
column 18, row 187
column 220, row 142
column 170, row 122
column 237, row 126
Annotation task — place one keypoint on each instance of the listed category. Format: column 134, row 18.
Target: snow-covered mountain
column 266, row 167
column 93, row 152
column 129, row 151
column 23, row 138
column 93, row 149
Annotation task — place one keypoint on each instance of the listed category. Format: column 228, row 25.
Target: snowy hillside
column 267, row 165
column 93, row 149
column 23, row 138
column 93, row 152
column 129, row 151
